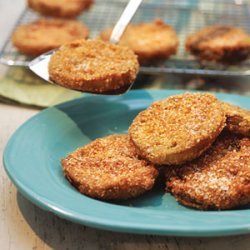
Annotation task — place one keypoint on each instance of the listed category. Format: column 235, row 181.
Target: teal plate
column 32, row 161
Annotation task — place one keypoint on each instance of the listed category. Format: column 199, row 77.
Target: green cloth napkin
column 21, row 85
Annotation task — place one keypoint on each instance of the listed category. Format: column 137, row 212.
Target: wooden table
column 25, row 226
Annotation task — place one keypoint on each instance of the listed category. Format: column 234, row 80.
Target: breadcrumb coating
column 60, row 8
column 151, row 42
column 177, row 129
column 93, row 66
column 218, row 43
column 219, row 179
column 109, row 168
column 238, row 119
column 46, row 34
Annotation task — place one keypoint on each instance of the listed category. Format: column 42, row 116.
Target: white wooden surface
column 24, row 226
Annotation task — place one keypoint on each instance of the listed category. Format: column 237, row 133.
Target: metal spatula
column 40, row 64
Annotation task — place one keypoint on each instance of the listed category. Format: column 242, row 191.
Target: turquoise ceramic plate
column 32, row 161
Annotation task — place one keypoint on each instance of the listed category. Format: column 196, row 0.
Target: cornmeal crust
column 177, row 129
column 60, row 8
column 151, row 41
column 224, row 44
column 93, row 66
column 45, row 34
column 219, row 179
column 238, row 119
column 109, row 168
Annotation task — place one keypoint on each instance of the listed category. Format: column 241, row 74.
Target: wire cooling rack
column 186, row 16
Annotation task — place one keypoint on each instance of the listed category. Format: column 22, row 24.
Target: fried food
column 218, row 43
column 60, row 8
column 177, row 129
column 45, row 34
column 109, row 168
column 151, row 41
column 93, row 66
column 238, row 119
column 219, row 179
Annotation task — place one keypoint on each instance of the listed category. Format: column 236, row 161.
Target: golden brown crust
column 109, row 168
column 93, row 66
column 238, row 119
column 60, row 8
column 151, row 41
column 219, row 179
column 177, row 129
column 224, row 44
column 45, row 34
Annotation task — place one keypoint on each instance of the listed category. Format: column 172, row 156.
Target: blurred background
column 180, row 71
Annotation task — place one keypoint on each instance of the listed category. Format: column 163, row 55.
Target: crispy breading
column 151, row 42
column 93, row 66
column 109, row 168
column 238, row 119
column 45, row 34
column 177, row 129
column 60, row 8
column 218, row 43
column 219, row 179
